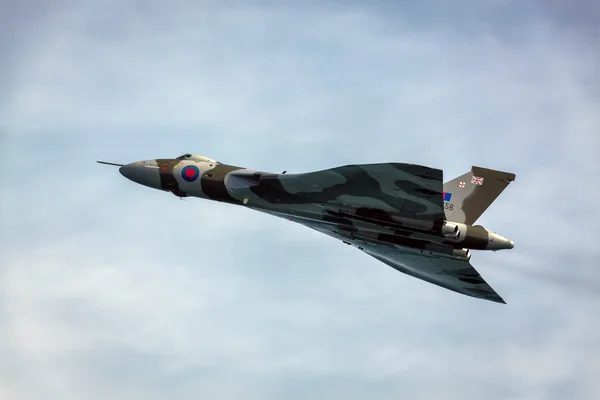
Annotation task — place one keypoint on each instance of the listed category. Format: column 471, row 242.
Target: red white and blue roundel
column 190, row 173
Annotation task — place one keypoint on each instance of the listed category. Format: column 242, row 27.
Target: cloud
column 111, row 289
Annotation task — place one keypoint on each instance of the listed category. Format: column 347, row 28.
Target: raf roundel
column 190, row 173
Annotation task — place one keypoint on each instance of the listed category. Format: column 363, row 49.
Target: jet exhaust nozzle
column 463, row 254
column 451, row 230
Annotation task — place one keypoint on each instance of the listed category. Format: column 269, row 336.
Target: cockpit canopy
column 196, row 157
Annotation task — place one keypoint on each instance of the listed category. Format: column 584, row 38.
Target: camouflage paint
column 392, row 211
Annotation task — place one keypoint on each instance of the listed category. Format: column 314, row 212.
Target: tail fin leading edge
column 469, row 195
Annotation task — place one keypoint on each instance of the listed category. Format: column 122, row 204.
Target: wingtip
column 498, row 299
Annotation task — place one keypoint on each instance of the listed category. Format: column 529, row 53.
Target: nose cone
column 143, row 172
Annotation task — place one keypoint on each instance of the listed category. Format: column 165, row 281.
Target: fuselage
column 278, row 194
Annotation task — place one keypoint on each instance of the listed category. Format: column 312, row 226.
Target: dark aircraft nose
column 143, row 172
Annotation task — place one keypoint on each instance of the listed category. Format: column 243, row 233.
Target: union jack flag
column 477, row 180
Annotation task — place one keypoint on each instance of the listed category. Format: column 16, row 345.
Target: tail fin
column 469, row 195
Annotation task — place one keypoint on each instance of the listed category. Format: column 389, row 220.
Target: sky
column 113, row 290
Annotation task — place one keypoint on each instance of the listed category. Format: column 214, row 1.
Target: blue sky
column 109, row 289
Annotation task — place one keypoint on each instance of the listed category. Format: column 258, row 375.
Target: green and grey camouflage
column 401, row 214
